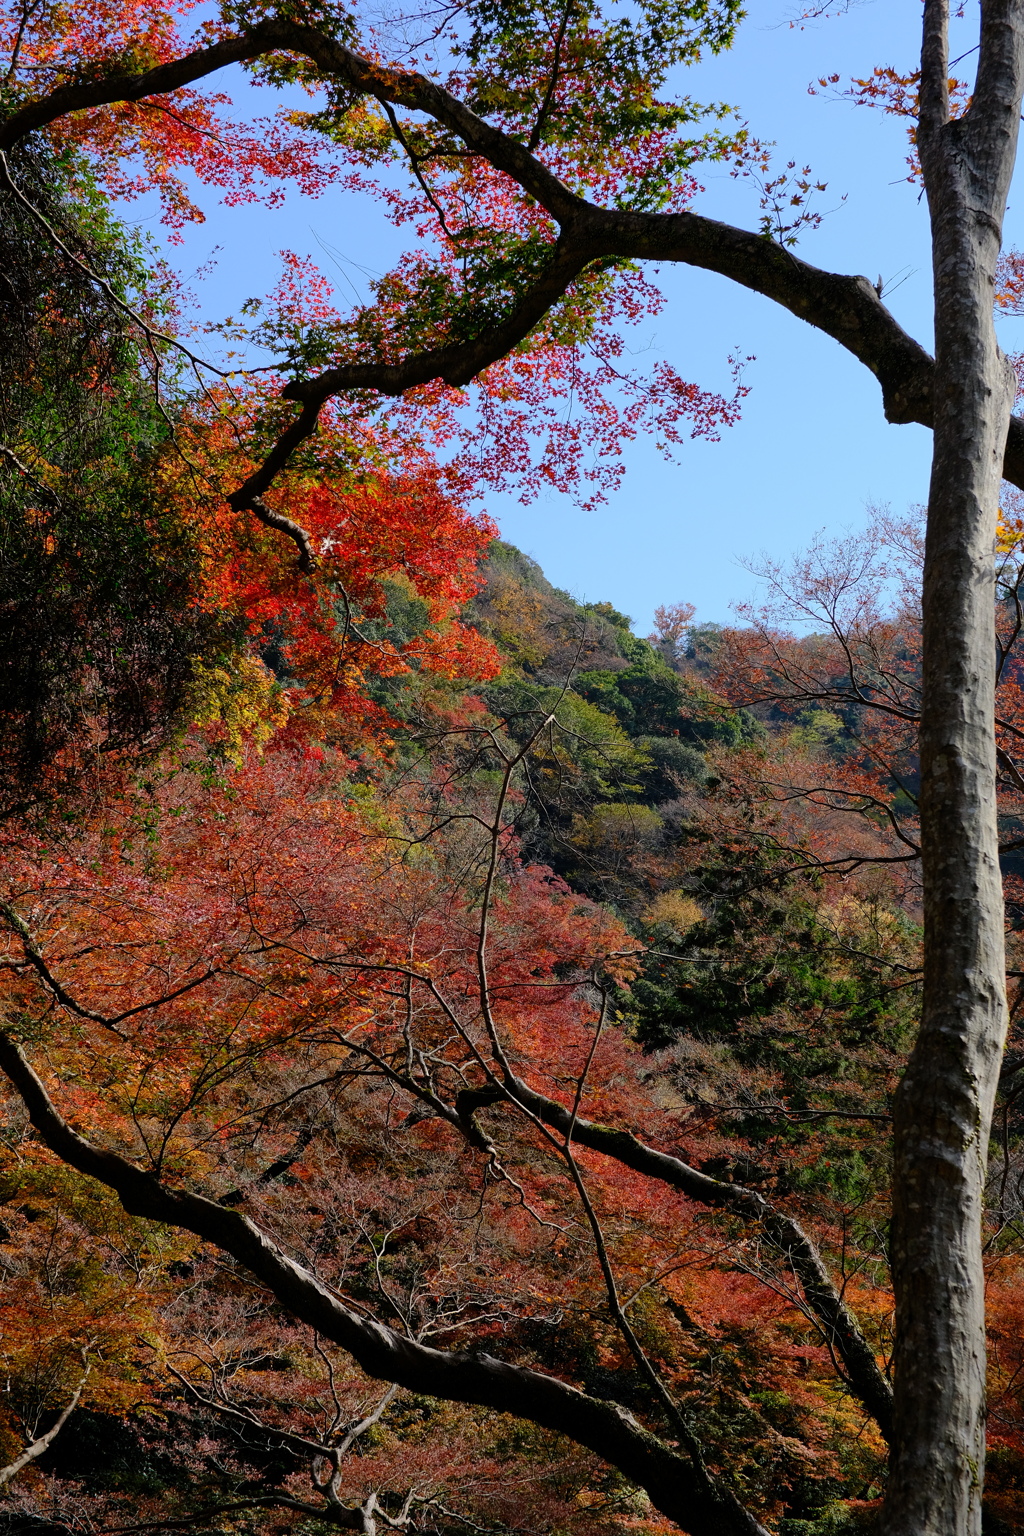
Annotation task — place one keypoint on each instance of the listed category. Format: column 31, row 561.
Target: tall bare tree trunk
column 944, row 1105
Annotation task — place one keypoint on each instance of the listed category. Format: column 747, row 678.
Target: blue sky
column 813, row 449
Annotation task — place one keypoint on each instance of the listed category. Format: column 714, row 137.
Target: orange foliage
column 268, row 964
column 385, row 538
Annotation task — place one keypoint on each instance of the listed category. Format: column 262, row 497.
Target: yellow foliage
column 615, row 829
column 676, row 909
column 867, row 924
column 1009, row 533
column 243, row 700
column 519, row 623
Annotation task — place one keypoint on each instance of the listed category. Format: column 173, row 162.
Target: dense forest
column 282, row 923
column 469, row 1067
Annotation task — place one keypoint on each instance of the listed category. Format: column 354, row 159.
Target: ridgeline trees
column 324, row 1076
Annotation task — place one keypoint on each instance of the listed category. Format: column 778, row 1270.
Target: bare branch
column 467, row 1376
column 44, row 1442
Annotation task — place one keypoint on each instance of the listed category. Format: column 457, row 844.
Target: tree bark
column 944, row 1105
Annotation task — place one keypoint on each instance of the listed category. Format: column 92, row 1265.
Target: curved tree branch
column 837, row 1322
column 846, row 307
column 703, row 1508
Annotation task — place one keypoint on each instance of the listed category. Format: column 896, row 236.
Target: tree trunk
column 944, row 1104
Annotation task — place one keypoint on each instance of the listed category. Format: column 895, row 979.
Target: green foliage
column 612, row 616
column 580, row 782
column 588, row 79
column 591, row 783
column 818, row 728
column 836, row 1520
column 781, row 1006
column 672, row 766
column 648, row 698
column 580, row 749
column 98, row 626
column 773, row 961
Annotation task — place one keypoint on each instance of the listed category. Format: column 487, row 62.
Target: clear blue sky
column 813, row 448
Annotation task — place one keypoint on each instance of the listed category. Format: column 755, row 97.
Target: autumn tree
column 671, row 624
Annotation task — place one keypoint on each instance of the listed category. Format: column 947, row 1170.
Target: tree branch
column 835, row 1319
column 34, row 958
column 44, row 1442
column 847, row 308
column 466, row 1376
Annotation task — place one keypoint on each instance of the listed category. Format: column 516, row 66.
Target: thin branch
column 66, row 1000
column 545, row 105
column 468, row 1376
column 44, row 1442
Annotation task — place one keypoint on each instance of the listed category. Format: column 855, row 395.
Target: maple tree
column 260, row 1014
column 288, row 943
column 273, row 925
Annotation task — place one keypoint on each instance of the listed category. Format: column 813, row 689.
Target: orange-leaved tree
column 384, row 1050
column 543, row 161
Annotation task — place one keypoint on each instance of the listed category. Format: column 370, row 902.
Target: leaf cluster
column 98, row 620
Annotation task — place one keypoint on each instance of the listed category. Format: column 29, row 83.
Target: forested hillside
column 399, row 967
